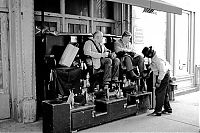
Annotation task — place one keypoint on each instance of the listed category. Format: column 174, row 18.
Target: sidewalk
column 185, row 118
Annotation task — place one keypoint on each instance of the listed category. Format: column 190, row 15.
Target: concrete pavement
column 185, row 118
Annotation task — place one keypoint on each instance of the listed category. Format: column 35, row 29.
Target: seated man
column 126, row 52
column 102, row 57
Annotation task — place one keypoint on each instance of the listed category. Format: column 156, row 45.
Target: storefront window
column 77, row 7
column 47, row 5
column 182, row 45
column 103, row 9
column 104, row 29
column 149, row 30
column 77, row 28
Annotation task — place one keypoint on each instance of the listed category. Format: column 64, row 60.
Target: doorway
column 182, row 44
column 4, row 68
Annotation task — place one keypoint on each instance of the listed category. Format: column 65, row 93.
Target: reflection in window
column 104, row 29
column 47, row 5
column 77, row 28
column 48, row 26
column 103, row 9
column 77, row 7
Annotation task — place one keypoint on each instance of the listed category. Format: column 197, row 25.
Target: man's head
column 126, row 36
column 98, row 36
column 148, row 52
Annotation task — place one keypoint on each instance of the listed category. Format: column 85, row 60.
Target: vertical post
column 91, row 14
column 22, row 51
column 62, row 11
column 117, row 17
column 130, row 20
column 174, row 47
column 168, row 39
column 122, row 18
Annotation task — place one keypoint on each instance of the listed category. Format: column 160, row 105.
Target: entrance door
column 4, row 68
column 183, row 46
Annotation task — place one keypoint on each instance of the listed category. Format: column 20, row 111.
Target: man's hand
column 157, row 85
column 105, row 54
column 158, row 82
column 132, row 54
column 112, row 55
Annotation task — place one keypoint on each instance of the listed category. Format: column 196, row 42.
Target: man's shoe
column 166, row 111
column 155, row 114
column 133, row 75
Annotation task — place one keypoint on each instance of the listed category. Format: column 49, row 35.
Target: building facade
column 169, row 29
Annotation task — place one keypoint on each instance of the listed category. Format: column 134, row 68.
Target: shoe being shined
column 146, row 74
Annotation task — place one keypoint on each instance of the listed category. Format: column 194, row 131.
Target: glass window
column 77, row 7
column 103, row 9
column 149, row 30
column 47, row 5
column 77, row 28
column 182, row 45
column 49, row 26
column 104, row 29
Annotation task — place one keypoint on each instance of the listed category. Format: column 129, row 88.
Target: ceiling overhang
column 152, row 4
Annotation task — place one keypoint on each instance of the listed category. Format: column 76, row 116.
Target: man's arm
column 118, row 47
column 106, row 49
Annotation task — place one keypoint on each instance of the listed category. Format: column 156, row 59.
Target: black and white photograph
column 99, row 66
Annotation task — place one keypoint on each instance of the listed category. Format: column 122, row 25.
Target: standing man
column 102, row 57
column 161, row 68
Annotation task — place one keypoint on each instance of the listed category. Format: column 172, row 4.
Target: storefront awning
column 164, row 6
column 140, row 3
column 152, row 4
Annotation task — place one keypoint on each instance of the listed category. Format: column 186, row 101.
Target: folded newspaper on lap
column 68, row 55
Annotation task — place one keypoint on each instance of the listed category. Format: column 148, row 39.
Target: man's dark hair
column 126, row 33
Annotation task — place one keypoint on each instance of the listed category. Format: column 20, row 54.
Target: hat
column 145, row 51
column 126, row 33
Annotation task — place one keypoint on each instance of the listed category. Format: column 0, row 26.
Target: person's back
column 161, row 69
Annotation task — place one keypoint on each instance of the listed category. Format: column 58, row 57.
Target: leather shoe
column 155, row 114
column 106, row 83
column 133, row 75
column 166, row 111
